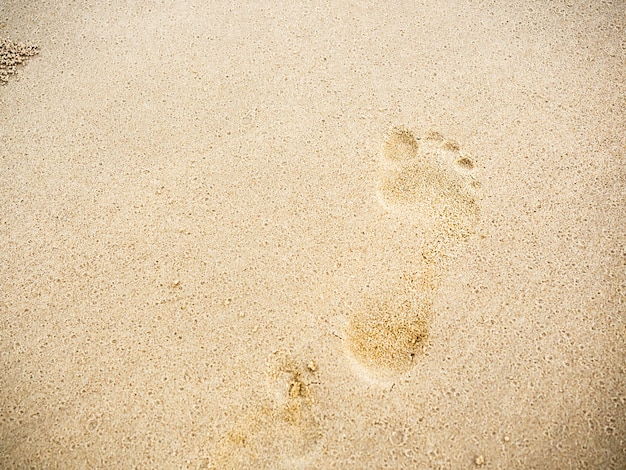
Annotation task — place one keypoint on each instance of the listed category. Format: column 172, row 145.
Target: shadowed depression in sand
column 425, row 184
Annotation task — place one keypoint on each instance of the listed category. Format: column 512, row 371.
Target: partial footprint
column 431, row 183
column 400, row 146
column 387, row 331
column 281, row 431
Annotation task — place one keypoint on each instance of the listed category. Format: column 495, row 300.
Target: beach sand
column 316, row 235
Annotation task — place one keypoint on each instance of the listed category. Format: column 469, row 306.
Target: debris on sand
column 13, row 54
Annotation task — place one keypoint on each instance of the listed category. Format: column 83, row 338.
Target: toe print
column 400, row 146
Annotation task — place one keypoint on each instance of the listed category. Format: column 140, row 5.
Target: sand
column 316, row 235
column 12, row 55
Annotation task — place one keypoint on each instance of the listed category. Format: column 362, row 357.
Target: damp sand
column 339, row 235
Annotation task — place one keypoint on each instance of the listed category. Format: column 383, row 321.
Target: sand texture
column 312, row 235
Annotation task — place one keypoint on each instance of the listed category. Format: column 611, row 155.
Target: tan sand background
column 190, row 216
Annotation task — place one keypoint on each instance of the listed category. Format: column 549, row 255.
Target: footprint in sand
column 280, row 431
column 430, row 182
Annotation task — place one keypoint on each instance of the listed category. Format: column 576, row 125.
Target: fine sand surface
column 314, row 235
